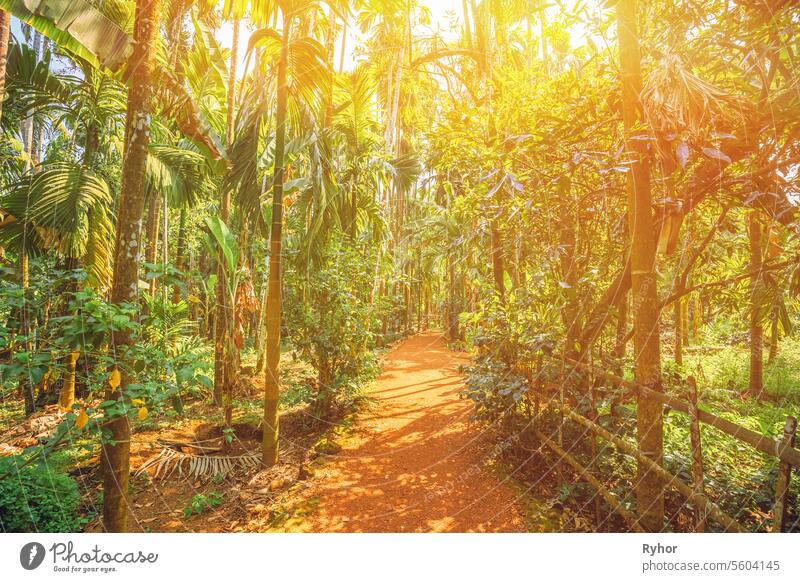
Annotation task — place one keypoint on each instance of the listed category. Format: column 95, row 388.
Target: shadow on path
column 416, row 464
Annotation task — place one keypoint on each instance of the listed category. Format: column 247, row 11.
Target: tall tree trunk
column 685, row 321
column 116, row 451
column 649, row 419
column 330, row 44
column 679, row 328
column 5, row 29
column 269, row 454
column 164, row 237
column 569, row 269
column 467, row 27
column 153, row 221
column 180, row 254
column 344, row 43
column 756, row 331
column 621, row 333
column 221, row 382
column 178, row 49
column 22, row 260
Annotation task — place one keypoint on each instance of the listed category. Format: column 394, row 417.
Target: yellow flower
column 82, row 420
column 142, row 413
column 115, row 379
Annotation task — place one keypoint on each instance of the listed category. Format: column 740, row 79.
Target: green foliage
column 505, row 334
column 201, row 503
column 725, row 372
column 165, row 360
column 494, row 388
column 333, row 331
column 37, row 499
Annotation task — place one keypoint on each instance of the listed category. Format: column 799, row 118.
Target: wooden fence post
column 560, row 433
column 697, row 453
column 784, row 477
column 539, row 384
column 598, row 516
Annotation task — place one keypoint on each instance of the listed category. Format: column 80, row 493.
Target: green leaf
column 225, row 241
column 77, row 26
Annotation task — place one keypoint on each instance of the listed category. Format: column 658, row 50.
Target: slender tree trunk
column 344, row 44
column 272, row 376
column 180, row 254
column 164, row 237
column 685, row 321
column 25, row 328
column 756, row 330
column 116, row 451
column 178, row 49
column 5, row 29
column 153, row 221
column 467, row 27
column 221, row 339
column 262, row 314
column 22, row 260
column 38, row 128
column 679, row 332
column 621, row 333
column 649, row 419
column 330, row 43
column 569, row 269
column 773, row 340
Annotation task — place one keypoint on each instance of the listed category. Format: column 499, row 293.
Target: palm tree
column 269, row 453
column 116, row 452
column 307, row 82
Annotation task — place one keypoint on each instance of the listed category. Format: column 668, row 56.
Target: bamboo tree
column 649, row 420
column 116, row 451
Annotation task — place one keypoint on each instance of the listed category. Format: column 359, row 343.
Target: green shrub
column 332, row 328
column 37, row 499
column 201, row 503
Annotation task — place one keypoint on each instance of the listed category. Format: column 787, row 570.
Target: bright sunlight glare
column 446, row 21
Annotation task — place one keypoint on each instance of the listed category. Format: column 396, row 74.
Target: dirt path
column 415, row 464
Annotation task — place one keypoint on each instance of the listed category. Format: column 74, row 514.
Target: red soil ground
column 415, row 462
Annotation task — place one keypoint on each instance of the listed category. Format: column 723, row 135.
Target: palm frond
column 181, row 173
